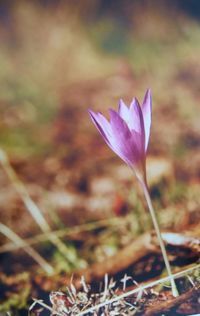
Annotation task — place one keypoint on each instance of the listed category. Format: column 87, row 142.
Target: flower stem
column 157, row 229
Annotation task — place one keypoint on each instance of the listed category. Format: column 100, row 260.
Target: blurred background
column 59, row 58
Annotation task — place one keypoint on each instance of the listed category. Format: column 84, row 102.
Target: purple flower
column 128, row 131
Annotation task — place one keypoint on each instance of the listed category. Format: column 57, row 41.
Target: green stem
column 157, row 229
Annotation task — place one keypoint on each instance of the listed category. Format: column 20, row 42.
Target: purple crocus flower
column 128, row 131
column 127, row 134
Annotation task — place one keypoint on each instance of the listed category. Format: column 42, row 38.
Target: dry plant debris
column 143, row 300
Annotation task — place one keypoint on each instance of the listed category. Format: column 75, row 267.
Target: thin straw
column 32, row 207
column 119, row 297
column 135, row 291
column 63, row 232
column 6, row 231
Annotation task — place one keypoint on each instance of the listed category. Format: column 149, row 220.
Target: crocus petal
column 102, row 125
column 146, row 111
column 123, row 110
column 135, row 117
column 123, row 141
column 139, row 146
column 136, row 123
column 128, row 132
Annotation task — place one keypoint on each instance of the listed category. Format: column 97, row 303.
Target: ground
column 55, row 156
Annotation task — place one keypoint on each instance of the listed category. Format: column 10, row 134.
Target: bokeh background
column 59, row 58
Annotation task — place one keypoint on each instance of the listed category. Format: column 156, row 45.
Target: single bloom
column 128, row 131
